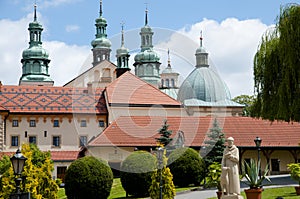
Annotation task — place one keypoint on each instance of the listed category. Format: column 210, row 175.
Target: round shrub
column 136, row 172
column 187, row 167
column 88, row 177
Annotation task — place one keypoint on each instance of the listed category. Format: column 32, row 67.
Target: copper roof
column 35, row 99
column 142, row 131
column 129, row 89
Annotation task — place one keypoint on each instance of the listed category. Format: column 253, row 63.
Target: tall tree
column 165, row 133
column 246, row 100
column 214, row 145
column 276, row 69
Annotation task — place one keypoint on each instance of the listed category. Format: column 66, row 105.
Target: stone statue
column 230, row 180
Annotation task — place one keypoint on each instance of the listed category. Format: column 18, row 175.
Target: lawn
column 117, row 190
column 272, row 193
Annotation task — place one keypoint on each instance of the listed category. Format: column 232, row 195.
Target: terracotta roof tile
column 55, row 155
column 34, row 99
column 129, row 89
column 142, row 131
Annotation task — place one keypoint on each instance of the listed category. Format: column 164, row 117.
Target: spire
column 100, row 8
column 34, row 17
column 201, row 38
column 122, row 32
column 122, row 55
column 146, row 16
column 101, row 45
column 35, row 61
column 169, row 61
column 201, row 54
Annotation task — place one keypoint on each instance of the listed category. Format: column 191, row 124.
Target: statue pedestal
column 232, row 197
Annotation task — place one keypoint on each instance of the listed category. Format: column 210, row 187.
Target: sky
column 231, row 32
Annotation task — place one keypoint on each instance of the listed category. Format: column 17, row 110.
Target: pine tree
column 215, row 145
column 165, row 137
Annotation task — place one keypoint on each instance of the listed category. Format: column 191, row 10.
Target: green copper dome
column 147, row 56
column 122, row 51
column 35, row 52
column 203, row 84
column 101, row 42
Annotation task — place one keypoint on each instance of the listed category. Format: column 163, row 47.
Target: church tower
column 101, row 45
column 35, row 62
column 147, row 61
column 122, row 55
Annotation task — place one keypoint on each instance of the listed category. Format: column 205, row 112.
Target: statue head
column 230, row 141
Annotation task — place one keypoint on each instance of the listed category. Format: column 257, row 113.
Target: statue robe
column 231, row 162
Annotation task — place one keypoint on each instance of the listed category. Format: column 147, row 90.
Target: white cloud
column 231, row 45
column 72, row 28
column 66, row 60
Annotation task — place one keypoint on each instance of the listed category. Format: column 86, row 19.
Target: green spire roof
column 101, row 40
column 35, row 59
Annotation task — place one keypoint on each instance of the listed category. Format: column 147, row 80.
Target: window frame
column 32, row 136
column 15, row 123
column 32, row 123
column 85, row 140
column 54, row 141
column 83, row 123
column 55, row 123
column 13, row 137
column 101, row 123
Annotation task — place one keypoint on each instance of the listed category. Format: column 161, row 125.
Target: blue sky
column 231, row 29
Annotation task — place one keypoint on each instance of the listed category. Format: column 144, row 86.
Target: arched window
column 172, row 83
column 167, row 83
column 162, row 83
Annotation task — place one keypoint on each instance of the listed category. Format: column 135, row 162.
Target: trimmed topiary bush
column 88, row 177
column 187, row 167
column 136, row 172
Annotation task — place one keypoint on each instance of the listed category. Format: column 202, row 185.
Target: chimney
column 90, row 88
column 0, row 86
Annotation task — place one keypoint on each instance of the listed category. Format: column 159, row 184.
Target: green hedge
column 88, row 177
column 187, row 167
column 136, row 171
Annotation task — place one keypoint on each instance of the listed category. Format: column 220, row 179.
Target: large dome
column 203, row 84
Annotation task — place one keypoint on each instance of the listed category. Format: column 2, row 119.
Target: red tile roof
column 142, row 131
column 64, row 155
column 129, row 89
column 55, row 155
column 35, row 99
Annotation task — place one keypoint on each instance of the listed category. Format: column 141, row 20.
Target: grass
column 117, row 190
column 272, row 193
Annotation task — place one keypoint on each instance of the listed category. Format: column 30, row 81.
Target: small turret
column 122, row 55
column 101, row 45
column 35, row 59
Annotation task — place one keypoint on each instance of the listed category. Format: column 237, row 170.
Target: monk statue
column 230, row 180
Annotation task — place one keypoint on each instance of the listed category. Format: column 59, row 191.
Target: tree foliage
column 276, row 69
column 187, row 166
column 88, row 177
column 215, row 145
column 136, row 172
column 165, row 138
column 162, row 174
column 37, row 175
column 246, row 100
